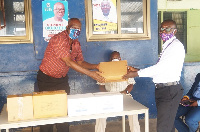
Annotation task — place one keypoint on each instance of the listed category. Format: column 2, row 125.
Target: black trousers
column 47, row 83
column 167, row 102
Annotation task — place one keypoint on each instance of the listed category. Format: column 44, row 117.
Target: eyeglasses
column 166, row 29
column 62, row 10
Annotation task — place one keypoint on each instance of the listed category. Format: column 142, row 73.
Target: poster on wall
column 104, row 16
column 55, row 17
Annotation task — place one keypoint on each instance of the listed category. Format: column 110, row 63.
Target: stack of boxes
column 57, row 103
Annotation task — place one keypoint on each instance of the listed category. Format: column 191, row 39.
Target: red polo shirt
column 57, row 48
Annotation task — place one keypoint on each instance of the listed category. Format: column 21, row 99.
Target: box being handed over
column 50, row 104
column 114, row 70
column 20, row 107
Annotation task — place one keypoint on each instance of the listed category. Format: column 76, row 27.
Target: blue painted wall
column 19, row 62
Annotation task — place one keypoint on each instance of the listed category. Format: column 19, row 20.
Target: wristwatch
column 127, row 92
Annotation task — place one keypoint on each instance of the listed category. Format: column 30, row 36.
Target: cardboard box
column 108, row 102
column 20, row 107
column 94, row 103
column 81, row 104
column 114, row 70
column 50, row 104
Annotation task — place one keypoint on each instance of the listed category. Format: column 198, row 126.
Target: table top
column 130, row 107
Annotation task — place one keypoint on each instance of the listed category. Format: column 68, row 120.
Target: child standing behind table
column 124, row 87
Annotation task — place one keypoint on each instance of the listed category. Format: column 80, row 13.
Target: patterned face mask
column 74, row 33
column 165, row 36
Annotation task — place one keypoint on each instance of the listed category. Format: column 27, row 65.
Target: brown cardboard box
column 50, row 104
column 20, row 107
column 114, row 70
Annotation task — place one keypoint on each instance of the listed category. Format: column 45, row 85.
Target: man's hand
column 188, row 102
column 194, row 103
column 130, row 75
column 130, row 68
column 96, row 76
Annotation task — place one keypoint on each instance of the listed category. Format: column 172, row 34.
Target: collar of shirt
column 168, row 42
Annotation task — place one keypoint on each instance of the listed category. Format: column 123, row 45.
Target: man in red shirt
column 63, row 52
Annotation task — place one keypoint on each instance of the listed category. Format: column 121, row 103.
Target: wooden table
column 130, row 107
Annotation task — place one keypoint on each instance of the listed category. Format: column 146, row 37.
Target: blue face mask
column 74, row 33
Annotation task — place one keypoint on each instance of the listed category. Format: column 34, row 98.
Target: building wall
column 182, row 4
column 19, row 62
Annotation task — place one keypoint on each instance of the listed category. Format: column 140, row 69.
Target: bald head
column 170, row 23
column 58, row 4
column 73, row 21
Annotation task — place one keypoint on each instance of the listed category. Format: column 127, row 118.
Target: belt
column 159, row 85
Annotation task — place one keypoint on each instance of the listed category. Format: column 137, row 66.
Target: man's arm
column 88, row 65
column 131, row 74
column 74, row 65
column 129, row 89
column 130, row 68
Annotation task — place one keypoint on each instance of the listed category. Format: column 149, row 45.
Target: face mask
column 115, row 60
column 165, row 36
column 74, row 33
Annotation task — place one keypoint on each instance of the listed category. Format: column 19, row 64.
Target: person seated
column 124, row 87
column 189, row 108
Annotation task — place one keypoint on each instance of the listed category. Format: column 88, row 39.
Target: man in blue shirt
column 190, row 110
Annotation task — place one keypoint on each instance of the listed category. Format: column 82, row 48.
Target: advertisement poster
column 55, row 17
column 104, row 15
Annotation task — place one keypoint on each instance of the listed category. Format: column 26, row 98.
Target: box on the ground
column 109, row 102
column 50, row 104
column 81, row 104
column 114, row 70
column 20, row 107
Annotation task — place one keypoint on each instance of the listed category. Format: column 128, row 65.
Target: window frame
column 120, row 37
column 28, row 38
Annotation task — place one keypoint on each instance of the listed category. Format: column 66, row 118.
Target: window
column 16, row 22
column 108, row 20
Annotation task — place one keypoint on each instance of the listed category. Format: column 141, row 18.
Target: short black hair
column 114, row 52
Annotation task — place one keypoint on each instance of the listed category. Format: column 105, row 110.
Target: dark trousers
column 167, row 102
column 47, row 83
